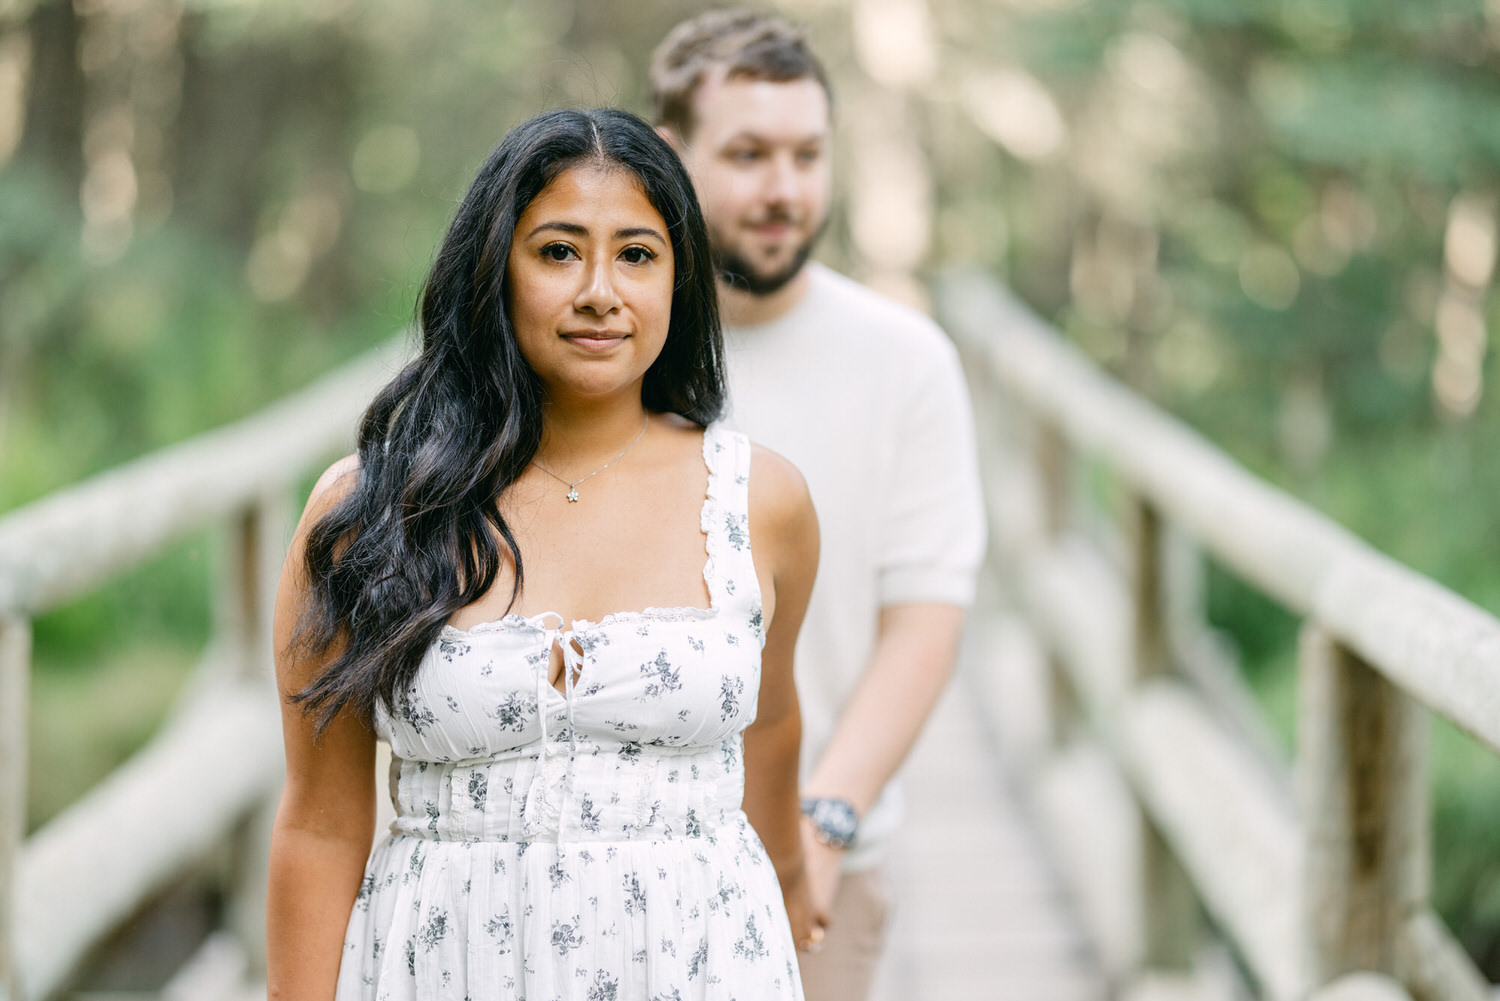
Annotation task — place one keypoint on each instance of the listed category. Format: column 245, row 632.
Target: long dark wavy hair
column 420, row 536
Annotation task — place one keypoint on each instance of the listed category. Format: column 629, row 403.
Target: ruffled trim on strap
column 729, row 570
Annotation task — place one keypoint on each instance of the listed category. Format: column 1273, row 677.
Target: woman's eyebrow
column 566, row 227
column 575, row 229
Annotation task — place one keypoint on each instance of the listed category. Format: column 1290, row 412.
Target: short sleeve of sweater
column 933, row 529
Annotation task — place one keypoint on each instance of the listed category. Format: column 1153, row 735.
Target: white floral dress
column 587, row 843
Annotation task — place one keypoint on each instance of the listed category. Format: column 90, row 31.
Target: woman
column 509, row 583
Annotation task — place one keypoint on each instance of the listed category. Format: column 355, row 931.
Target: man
column 867, row 398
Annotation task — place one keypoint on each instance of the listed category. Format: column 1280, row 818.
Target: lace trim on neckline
column 516, row 621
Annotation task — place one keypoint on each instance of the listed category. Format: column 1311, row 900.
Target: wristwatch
column 834, row 821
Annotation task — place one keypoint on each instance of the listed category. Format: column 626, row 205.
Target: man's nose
column 781, row 180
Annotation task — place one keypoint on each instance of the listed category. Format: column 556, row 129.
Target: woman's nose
column 597, row 294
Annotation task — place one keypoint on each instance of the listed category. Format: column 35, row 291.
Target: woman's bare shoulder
column 337, row 482
column 778, row 492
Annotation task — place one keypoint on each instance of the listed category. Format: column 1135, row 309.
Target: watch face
column 834, row 819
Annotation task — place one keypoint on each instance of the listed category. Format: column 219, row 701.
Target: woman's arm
column 325, row 821
column 784, row 531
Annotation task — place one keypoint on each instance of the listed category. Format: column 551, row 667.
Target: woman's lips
column 595, row 340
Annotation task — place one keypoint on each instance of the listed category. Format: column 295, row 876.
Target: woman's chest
column 679, row 677
column 614, row 549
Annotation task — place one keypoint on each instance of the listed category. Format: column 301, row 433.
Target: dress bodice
column 645, row 736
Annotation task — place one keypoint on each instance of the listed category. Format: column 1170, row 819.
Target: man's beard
column 738, row 273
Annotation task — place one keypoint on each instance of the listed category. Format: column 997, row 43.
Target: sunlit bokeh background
column 1277, row 218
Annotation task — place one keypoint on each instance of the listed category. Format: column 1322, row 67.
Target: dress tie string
column 549, row 797
column 543, row 664
column 572, row 666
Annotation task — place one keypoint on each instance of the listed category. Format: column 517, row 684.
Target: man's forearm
column 912, row 662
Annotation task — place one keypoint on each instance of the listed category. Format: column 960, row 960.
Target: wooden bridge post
column 1053, row 458
column 1152, row 656
column 256, row 546
column 1362, row 781
column 1053, row 473
column 15, row 703
column 1169, row 922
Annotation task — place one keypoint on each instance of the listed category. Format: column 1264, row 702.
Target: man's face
column 759, row 159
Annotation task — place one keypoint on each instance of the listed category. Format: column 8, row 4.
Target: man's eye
column 637, row 255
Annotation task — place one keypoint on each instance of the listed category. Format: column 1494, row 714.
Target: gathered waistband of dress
column 593, row 797
column 728, row 823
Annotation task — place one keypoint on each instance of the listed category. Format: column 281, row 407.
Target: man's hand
column 822, row 863
column 807, row 929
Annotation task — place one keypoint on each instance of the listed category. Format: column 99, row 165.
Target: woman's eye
column 557, row 252
column 637, row 255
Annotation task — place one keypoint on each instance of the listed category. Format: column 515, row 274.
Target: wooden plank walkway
column 980, row 910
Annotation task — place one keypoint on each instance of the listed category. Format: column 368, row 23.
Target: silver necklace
column 573, row 485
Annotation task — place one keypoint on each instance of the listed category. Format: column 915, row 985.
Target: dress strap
column 730, row 570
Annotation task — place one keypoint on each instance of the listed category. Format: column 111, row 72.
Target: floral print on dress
column 414, row 712
column 662, row 676
column 513, row 713
column 586, row 843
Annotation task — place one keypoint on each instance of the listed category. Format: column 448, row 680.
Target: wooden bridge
column 1095, row 812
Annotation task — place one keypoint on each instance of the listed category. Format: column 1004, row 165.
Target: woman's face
column 591, row 276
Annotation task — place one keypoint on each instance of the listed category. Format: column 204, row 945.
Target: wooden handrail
column 166, row 810
column 77, row 878
column 1437, row 646
column 1309, row 887
column 72, row 540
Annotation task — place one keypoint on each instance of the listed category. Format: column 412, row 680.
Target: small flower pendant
column 572, row 495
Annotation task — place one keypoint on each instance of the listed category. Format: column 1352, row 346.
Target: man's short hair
column 741, row 43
